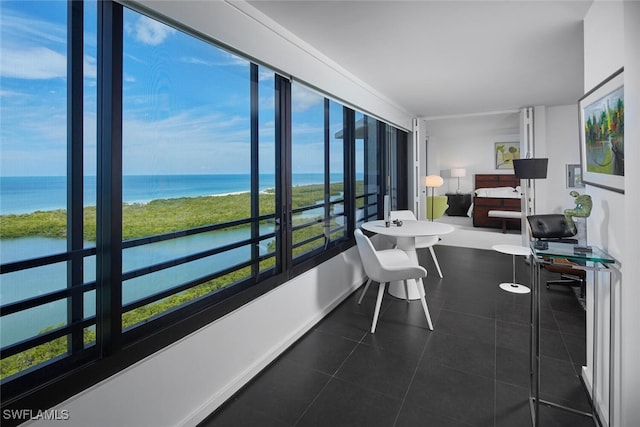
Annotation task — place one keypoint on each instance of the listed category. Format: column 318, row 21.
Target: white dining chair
column 384, row 266
column 422, row 242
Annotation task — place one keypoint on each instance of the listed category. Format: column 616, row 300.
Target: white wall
column 183, row 383
column 468, row 142
column 630, row 293
column 561, row 147
column 612, row 27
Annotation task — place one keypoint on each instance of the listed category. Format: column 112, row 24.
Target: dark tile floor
column 472, row 370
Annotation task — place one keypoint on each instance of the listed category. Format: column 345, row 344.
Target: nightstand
column 459, row 204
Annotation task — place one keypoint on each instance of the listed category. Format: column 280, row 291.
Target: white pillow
column 495, row 192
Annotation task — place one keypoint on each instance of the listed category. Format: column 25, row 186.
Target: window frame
column 116, row 349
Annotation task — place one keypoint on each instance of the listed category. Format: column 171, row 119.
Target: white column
column 420, row 167
column 527, row 143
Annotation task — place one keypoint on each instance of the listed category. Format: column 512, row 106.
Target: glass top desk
column 594, row 260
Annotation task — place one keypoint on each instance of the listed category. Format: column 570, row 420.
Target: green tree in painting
column 604, row 139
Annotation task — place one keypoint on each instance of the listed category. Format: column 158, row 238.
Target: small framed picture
column 505, row 153
column 574, row 176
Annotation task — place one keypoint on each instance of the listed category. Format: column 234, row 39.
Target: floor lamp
column 433, row 181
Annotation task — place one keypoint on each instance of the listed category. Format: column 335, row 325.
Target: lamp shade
column 530, row 168
column 458, row 172
column 433, row 181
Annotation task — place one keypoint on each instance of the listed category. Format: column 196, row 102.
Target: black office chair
column 553, row 227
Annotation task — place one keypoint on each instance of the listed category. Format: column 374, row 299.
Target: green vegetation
column 610, row 123
column 157, row 217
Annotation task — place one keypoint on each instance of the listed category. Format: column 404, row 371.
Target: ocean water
column 25, row 284
column 27, row 194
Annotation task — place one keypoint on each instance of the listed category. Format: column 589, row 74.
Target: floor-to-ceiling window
column 47, row 181
column 149, row 178
column 189, row 164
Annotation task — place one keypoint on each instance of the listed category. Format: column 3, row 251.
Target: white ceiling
column 444, row 58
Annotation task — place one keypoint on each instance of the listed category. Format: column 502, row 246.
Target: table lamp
column 433, row 181
column 458, row 173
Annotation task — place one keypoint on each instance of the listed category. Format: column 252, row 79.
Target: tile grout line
column 406, row 393
column 332, row 376
column 495, row 371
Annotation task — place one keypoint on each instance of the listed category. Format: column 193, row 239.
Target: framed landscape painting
column 505, row 153
column 602, row 134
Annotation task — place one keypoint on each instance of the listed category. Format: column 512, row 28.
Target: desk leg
column 595, row 339
column 534, row 333
column 534, row 382
column 396, row 289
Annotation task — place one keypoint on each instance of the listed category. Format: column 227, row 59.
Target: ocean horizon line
column 170, row 174
column 28, row 194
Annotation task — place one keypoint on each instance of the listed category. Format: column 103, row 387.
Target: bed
column 500, row 195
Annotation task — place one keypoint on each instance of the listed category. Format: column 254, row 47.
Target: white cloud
column 33, row 63
column 29, row 29
column 265, row 75
column 151, row 32
column 236, row 60
column 90, row 67
column 304, row 99
column 227, row 60
column 187, row 142
column 196, row 61
column 10, row 93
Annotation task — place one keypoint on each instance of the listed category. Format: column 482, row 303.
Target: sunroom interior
column 391, row 92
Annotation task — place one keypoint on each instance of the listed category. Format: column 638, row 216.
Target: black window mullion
column 283, row 201
column 109, row 179
column 327, row 170
column 349, row 170
column 367, row 158
column 402, row 168
column 382, row 166
column 75, row 168
column 255, row 178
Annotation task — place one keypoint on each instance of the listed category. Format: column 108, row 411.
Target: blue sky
column 186, row 102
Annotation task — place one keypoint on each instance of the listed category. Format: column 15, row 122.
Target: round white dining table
column 405, row 236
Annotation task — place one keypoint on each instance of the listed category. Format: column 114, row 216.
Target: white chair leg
column 423, row 300
column 378, row 304
column 435, row 260
column 364, row 291
column 406, row 291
